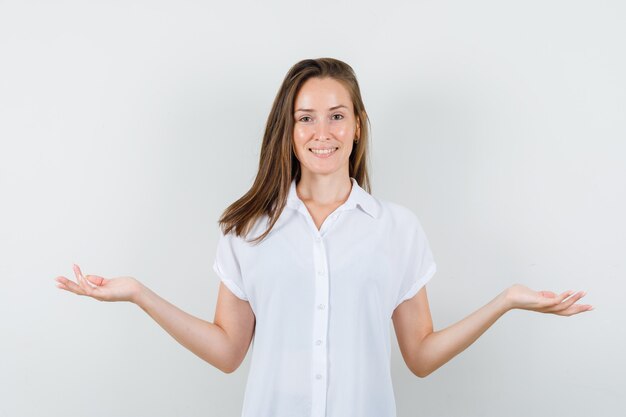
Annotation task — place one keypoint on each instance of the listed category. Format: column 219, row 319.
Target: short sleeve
column 227, row 266
column 419, row 264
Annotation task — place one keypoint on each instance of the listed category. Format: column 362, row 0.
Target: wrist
column 139, row 294
column 503, row 302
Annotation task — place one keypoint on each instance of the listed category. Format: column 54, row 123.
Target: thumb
column 95, row 279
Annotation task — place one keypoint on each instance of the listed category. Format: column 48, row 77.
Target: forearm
column 439, row 347
column 206, row 340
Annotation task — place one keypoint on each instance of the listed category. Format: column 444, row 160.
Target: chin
column 322, row 170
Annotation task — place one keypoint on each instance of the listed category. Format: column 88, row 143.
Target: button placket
column 320, row 328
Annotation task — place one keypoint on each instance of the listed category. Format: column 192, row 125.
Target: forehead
column 322, row 92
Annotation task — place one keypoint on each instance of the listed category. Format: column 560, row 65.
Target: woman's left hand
column 519, row 296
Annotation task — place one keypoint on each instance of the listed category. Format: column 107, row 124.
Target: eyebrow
column 332, row 108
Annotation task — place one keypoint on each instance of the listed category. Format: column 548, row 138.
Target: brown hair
column 278, row 165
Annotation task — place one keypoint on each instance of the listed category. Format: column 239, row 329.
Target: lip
column 323, row 156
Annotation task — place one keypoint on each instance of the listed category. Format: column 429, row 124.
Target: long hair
column 278, row 165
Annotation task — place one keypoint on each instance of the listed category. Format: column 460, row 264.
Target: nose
column 322, row 129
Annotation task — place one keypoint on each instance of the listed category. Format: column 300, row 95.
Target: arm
column 425, row 350
column 223, row 344
column 206, row 340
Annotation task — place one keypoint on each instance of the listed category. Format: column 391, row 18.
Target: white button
column 318, row 342
column 318, row 239
column 321, row 306
column 320, row 272
column 318, row 376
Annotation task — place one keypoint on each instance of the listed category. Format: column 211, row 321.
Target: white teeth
column 323, row 151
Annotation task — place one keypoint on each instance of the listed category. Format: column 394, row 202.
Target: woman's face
column 324, row 121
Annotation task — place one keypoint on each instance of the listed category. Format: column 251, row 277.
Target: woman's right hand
column 113, row 289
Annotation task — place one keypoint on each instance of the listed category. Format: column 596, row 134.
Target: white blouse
column 323, row 301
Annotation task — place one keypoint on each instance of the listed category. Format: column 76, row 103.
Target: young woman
column 314, row 267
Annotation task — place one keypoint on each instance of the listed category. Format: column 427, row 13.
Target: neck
column 324, row 190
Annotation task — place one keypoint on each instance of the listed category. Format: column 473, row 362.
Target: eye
column 340, row 116
column 302, row 119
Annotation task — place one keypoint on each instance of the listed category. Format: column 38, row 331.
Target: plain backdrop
column 127, row 127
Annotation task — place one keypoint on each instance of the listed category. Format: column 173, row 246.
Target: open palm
column 524, row 298
column 100, row 288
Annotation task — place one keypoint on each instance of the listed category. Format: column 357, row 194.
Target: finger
column 551, row 302
column 95, row 279
column 564, row 295
column 69, row 285
column 81, row 280
column 574, row 309
column 567, row 303
column 78, row 275
column 65, row 287
column 547, row 303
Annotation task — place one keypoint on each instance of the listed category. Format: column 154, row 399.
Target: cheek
column 299, row 140
column 343, row 130
column 300, row 135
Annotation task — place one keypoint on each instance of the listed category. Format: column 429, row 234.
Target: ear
column 358, row 127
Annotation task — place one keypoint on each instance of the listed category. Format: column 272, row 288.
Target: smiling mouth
column 324, row 151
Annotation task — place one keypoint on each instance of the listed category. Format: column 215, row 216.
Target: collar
column 358, row 197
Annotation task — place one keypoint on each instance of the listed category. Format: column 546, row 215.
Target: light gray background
column 127, row 127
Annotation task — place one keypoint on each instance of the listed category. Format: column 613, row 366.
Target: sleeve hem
column 230, row 284
column 417, row 285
